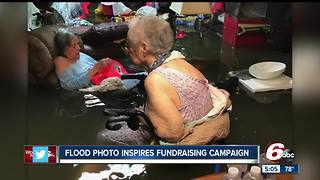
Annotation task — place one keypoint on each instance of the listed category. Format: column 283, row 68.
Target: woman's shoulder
column 60, row 59
column 181, row 66
column 60, row 63
column 156, row 82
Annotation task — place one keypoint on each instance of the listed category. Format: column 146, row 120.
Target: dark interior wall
column 279, row 16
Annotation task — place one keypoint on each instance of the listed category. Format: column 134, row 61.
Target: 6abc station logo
column 277, row 152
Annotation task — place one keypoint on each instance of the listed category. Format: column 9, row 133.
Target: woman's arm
column 67, row 79
column 98, row 66
column 162, row 110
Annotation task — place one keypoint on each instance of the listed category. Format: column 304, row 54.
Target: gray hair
column 62, row 40
column 155, row 30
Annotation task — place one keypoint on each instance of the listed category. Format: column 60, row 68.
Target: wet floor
column 60, row 118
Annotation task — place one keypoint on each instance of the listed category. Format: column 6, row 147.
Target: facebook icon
column 40, row 154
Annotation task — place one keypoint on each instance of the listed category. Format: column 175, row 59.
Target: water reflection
column 112, row 171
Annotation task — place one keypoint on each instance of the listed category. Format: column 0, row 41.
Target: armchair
column 98, row 41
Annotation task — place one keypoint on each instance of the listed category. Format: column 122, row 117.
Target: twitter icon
column 40, row 154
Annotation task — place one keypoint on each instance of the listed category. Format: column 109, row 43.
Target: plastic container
column 254, row 174
column 184, row 23
column 233, row 174
column 241, row 167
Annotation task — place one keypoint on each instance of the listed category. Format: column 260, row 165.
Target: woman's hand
column 104, row 62
column 98, row 66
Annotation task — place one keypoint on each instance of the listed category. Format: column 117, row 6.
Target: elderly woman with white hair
column 177, row 92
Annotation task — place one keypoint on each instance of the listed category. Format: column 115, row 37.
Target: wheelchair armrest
column 134, row 76
column 134, row 69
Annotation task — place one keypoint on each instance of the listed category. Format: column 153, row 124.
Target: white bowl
column 267, row 70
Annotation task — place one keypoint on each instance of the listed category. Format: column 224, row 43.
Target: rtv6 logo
column 277, row 152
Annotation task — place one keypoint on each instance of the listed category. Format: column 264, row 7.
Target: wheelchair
column 135, row 98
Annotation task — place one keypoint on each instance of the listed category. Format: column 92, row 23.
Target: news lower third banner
column 159, row 154
column 208, row 154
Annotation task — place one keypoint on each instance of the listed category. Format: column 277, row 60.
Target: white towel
column 283, row 82
column 109, row 84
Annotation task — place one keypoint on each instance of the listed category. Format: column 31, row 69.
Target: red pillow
column 113, row 69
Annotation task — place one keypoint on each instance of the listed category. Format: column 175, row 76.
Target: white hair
column 156, row 31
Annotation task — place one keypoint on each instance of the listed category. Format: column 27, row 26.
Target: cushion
column 105, row 32
column 40, row 60
column 46, row 35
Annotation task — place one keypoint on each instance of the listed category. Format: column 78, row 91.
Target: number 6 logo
column 274, row 151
